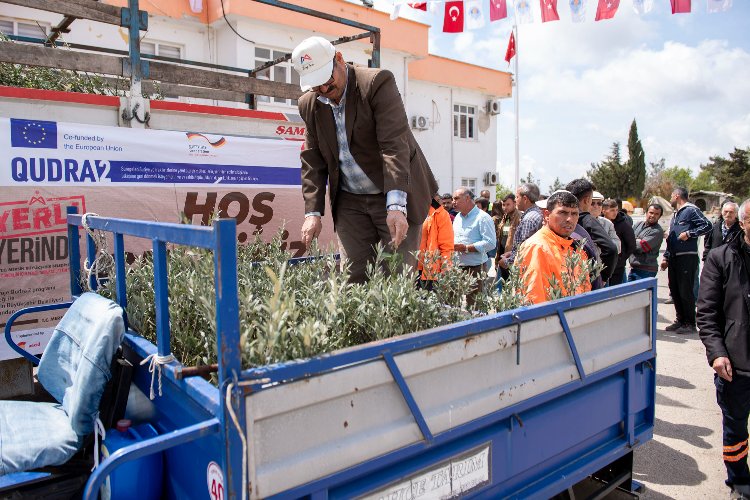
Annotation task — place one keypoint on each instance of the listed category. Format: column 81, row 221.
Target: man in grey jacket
column 648, row 239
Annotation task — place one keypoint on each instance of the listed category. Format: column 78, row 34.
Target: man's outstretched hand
column 311, row 229
column 397, row 225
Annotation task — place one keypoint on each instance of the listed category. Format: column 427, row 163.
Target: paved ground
column 684, row 458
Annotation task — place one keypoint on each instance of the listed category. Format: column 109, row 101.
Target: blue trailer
column 521, row 404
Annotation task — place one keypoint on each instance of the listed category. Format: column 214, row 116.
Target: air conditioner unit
column 490, row 178
column 420, row 122
column 493, row 107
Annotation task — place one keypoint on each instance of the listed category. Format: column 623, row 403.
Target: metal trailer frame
column 196, row 419
column 136, row 65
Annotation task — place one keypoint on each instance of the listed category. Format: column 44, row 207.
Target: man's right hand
column 311, row 229
column 664, row 265
column 723, row 367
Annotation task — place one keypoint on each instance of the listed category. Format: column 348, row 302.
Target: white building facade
column 452, row 106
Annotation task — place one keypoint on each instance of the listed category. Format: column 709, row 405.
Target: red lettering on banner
column 20, row 218
column 282, row 130
column 38, row 215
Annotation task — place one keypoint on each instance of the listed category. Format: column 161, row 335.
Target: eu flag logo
column 33, row 134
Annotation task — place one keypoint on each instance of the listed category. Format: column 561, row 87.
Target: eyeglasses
column 330, row 80
column 596, row 203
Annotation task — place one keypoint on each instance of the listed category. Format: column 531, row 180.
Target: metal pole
column 518, row 168
column 134, row 39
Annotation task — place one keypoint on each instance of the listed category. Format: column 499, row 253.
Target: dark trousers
column 682, row 269
column 618, row 277
column 639, row 274
column 734, row 400
column 476, row 272
column 360, row 226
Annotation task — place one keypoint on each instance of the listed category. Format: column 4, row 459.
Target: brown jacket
column 379, row 139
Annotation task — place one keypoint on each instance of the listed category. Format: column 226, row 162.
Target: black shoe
column 673, row 327
column 686, row 329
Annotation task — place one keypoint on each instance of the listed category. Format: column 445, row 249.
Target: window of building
column 281, row 72
column 161, row 49
column 19, row 27
column 469, row 183
column 464, row 119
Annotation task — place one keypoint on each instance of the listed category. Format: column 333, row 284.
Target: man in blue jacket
column 681, row 257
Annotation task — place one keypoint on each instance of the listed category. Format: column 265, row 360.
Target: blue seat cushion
column 34, row 435
column 75, row 366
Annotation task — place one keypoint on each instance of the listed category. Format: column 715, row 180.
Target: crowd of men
column 382, row 191
column 483, row 234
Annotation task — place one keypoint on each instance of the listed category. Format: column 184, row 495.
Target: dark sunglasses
column 596, row 203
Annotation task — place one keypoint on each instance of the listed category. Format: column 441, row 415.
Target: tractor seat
column 74, row 369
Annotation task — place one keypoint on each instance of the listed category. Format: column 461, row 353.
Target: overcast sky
column 685, row 78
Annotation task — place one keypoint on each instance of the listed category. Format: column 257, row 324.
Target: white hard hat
column 313, row 60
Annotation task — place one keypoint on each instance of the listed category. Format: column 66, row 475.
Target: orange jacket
column 437, row 238
column 541, row 256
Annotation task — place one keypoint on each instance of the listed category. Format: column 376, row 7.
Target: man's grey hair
column 743, row 208
column 681, row 192
column 529, row 190
column 466, row 191
column 731, row 204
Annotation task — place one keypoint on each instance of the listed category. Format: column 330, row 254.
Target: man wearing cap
column 358, row 144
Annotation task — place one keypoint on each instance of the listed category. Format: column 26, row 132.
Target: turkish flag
column 549, row 10
column 453, row 22
column 606, row 9
column 511, row 48
column 498, row 10
column 680, row 6
column 419, row 5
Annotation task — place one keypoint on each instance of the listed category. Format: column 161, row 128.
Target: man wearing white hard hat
column 359, row 146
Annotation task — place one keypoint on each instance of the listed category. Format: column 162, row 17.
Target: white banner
column 43, row 153
column 153, row 175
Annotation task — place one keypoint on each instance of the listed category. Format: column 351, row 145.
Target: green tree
column 661, row 180
column 636, row 166
column 680, row 176
column 530, row 179
column 732, row 174
column 610, row 176
column 556, row 186
column 656, row 183
column 501, row 191
column 704, row 181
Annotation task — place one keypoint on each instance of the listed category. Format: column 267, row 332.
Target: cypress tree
column 636, row 166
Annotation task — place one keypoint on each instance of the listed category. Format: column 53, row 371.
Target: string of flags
column 461, row 15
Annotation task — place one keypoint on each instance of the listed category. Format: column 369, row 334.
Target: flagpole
column 518, row 169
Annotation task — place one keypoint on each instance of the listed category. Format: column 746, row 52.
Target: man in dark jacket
column 624, row 230
column 724, row 322
column 681, row 257
column 583, row 189
column 724, row 229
